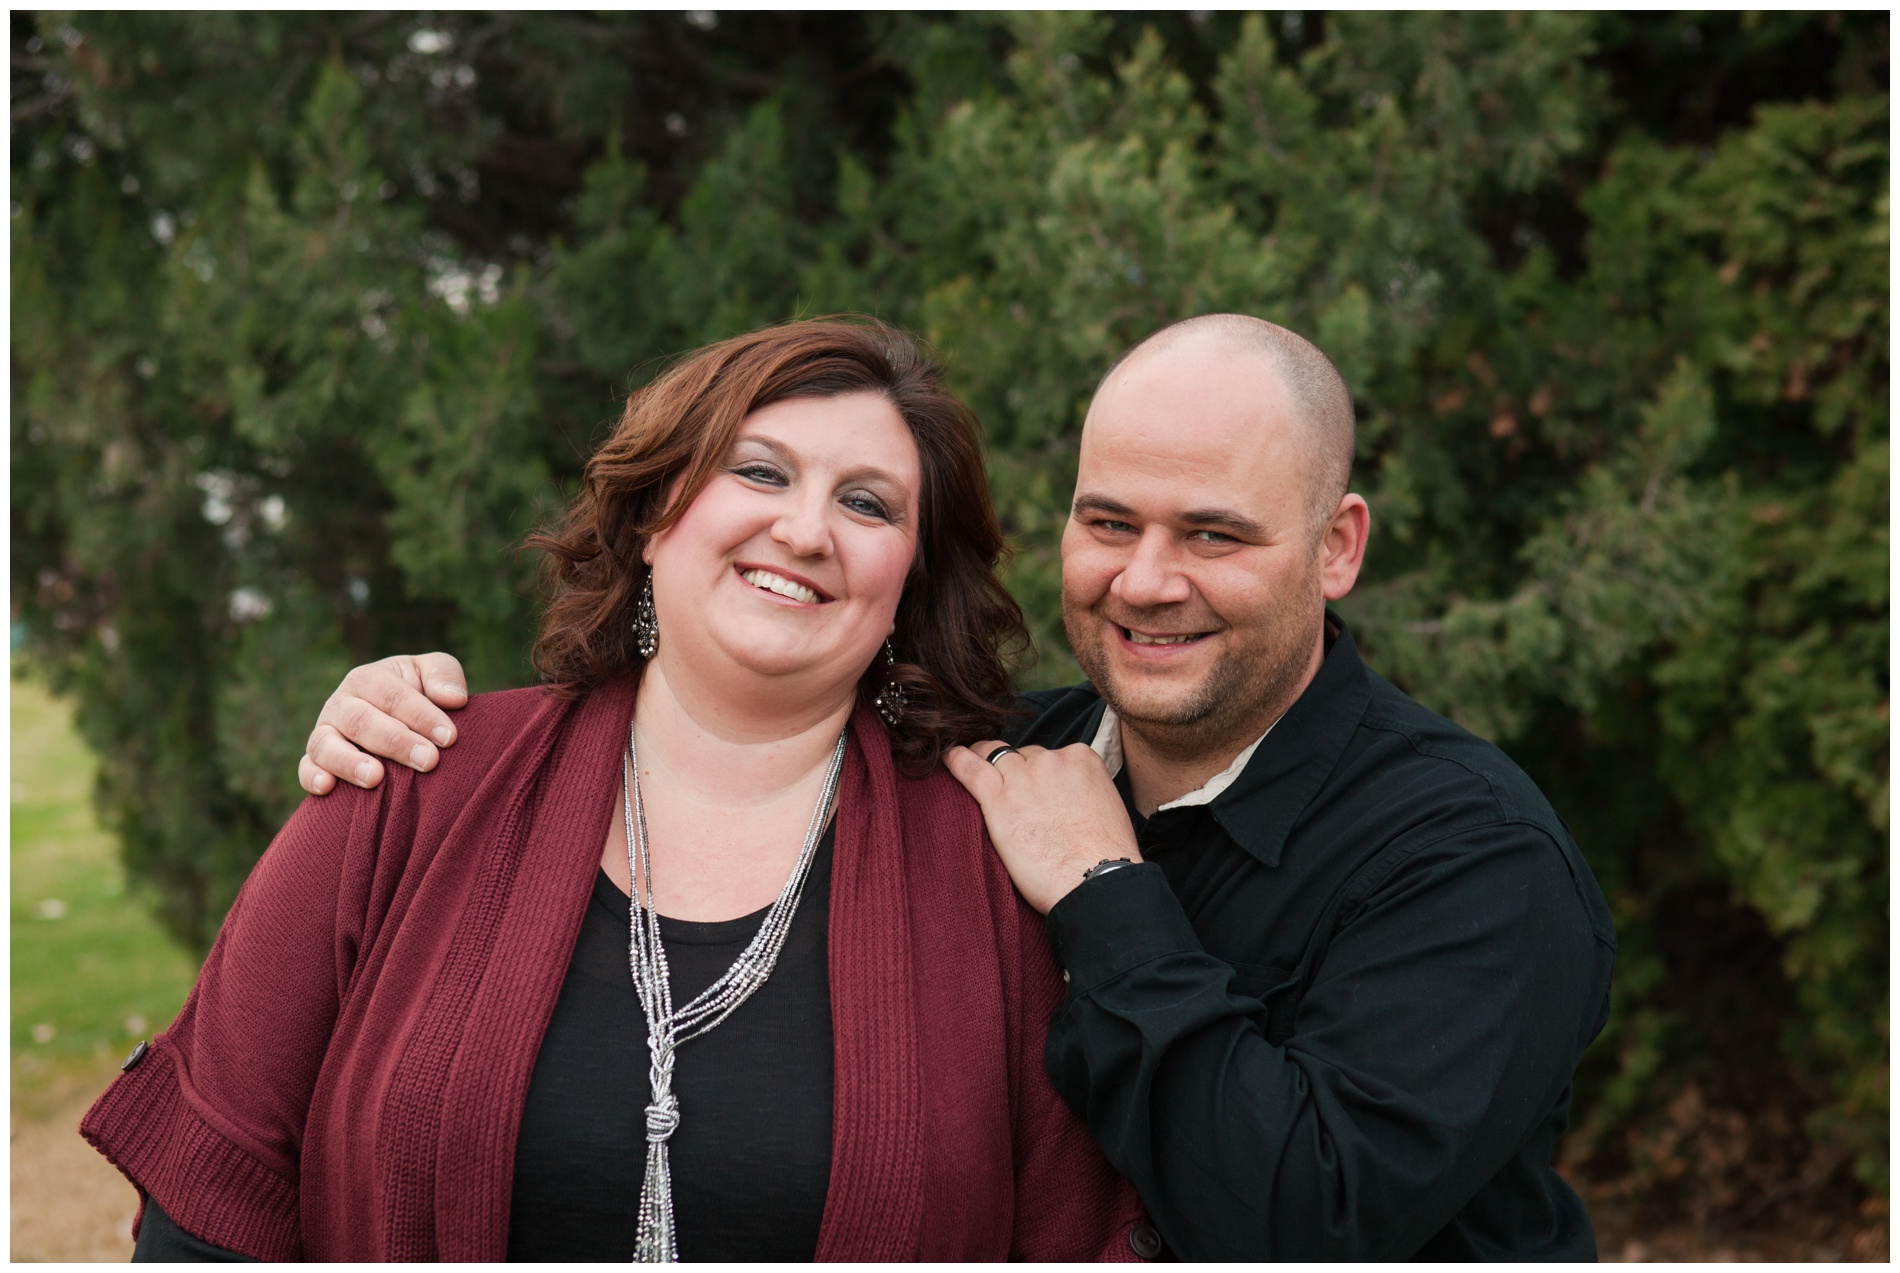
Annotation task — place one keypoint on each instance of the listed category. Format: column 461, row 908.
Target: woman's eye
column 867, row 505
column 760, row 473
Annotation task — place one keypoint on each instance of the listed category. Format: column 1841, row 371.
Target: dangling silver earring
column 646, row 624
column 892, row 698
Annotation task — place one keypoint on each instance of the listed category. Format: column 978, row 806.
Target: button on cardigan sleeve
column 210, row 1122
column 1438, row 1031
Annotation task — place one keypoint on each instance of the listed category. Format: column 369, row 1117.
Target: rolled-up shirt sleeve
column 1461, row 979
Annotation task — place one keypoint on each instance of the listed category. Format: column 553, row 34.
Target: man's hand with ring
column 1052, row 814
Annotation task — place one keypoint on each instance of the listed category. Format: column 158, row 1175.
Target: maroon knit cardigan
column 346, row 1080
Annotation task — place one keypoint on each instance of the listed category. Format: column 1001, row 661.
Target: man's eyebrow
column 1225, row 519
column 1210, row 518
column 1100, row 504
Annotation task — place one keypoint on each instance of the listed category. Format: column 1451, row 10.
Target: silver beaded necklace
column 667, row 1029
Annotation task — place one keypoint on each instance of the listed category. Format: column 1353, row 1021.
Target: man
column 1332, row 960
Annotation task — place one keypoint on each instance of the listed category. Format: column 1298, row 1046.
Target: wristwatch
column 1105, row 866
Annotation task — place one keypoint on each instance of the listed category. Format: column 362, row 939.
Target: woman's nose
column 805, row 528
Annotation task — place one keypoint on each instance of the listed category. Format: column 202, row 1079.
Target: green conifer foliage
column 315, row 315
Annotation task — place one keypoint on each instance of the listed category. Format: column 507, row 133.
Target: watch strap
column 1104, row 867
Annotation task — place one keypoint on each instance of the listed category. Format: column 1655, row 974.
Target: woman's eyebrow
column 872, row 473
column 777, row 449
column 789, row 457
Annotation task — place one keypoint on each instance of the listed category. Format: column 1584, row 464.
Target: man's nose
column 805, row 527
column 1152, row 576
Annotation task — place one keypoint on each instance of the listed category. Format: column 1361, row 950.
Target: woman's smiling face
column 790, row 563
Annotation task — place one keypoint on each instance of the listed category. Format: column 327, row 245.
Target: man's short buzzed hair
column 1319, row 392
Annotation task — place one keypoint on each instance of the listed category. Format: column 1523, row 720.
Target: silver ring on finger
column 1000, row 752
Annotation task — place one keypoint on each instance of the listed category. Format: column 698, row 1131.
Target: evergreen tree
column 315, row 315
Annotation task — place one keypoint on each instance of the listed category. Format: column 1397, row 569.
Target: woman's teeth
column 1142, row 638
column 782, row 586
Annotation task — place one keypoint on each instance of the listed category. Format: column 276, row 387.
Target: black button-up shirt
column 1336, row 1013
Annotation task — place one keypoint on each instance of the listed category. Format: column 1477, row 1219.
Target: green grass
column 92, row 971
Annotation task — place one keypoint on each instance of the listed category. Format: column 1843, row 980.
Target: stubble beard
column 1250, row 685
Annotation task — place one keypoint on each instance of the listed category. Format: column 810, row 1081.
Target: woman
column 434, row 1026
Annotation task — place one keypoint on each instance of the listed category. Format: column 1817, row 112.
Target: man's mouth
column 772, row 581
column 1149, row 638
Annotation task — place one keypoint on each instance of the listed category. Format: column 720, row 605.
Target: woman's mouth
column 772, row 581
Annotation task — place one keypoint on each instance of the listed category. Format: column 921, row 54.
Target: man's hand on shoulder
column 1052, row 814
column 391, row 708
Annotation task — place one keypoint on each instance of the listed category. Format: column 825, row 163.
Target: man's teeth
column 1142, row 638
column 782, row 586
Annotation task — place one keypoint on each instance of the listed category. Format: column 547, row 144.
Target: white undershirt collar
column 1108, row 745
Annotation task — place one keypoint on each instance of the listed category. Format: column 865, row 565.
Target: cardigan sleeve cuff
column 1117, row 922
column 148, row 1128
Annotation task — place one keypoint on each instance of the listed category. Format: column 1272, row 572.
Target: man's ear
column 1342, row 546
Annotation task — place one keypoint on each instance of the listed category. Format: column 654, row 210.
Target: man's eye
column 1114, row 527
column 1211, row 537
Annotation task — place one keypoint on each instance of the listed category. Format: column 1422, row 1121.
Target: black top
column 1336, row 1013
column 161, row 1241
column 751, row 1160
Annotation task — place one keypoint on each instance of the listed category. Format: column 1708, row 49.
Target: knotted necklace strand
column 667, row 1030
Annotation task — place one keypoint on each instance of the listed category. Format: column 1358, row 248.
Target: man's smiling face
column 1192, row 560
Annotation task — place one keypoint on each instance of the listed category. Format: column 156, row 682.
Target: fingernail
column 419, row 755
column 442, row 735
column 364, row 772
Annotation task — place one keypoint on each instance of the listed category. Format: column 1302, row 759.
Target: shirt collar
column 1108, row 745
column 1260, row 796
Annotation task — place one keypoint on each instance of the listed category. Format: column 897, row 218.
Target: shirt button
column 137, row 1054
column 1145, row 1240
column 1065, row 974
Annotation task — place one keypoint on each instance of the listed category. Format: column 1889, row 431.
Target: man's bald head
column 1313, row 386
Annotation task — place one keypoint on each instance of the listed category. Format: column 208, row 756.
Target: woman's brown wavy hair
column 957, row 626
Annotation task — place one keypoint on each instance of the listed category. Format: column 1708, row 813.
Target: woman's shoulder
column 505, row 735
column 496, row 722
column 935, row 807
column 501, row 711
column 505, row 741
column 936, row 793
column 945, row 841
column 487, row 730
